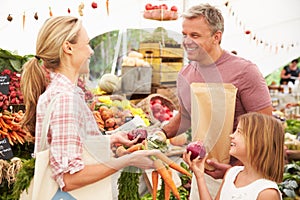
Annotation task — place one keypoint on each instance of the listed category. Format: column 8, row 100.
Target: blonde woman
column 258, row 143
column 62, row 48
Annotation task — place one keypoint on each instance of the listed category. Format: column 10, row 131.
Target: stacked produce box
column 165, row 59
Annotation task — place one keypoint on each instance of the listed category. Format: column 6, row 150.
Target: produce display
column 159, row 110
column 10, row 128
column 162, row 163
column 160, row 12
column 111, row 114
column 157, row 107
column 135, row 59
column 14, row 95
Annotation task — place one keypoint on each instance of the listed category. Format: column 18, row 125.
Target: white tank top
column 248, row 192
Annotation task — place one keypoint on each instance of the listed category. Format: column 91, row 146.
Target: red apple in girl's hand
column 197, row 148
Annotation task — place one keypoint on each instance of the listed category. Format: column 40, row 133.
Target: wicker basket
column 145, row 105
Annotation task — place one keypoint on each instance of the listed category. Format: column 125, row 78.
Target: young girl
column 258, row 143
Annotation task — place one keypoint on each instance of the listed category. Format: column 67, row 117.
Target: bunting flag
column 81, row 6
column 273, row 46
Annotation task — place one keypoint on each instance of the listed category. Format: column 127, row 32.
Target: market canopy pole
column 117, row 50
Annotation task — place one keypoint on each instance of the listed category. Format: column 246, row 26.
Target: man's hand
column 219, row 169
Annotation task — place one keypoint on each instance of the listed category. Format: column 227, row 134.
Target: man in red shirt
column 202, row 30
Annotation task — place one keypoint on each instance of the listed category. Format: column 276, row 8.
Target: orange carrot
column 5, row 125
column 154, row 184
column 18, row 137
column 10, row 140
column 173, row 164
column 163, row 172
column 3, row 132
column 135, row 147
column 107, row 7
column 23, row 20
column 167, row 188
column 50, row 12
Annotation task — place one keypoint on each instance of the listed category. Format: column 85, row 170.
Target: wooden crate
column 154, row 50
column 164, row 77
column 168, row 52
column 136, row 80
column 165, row 65
column 171, row 66
column 150, row 49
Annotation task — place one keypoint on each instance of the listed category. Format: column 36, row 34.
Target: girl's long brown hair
column 264, row 137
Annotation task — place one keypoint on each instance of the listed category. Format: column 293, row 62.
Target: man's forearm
column 176, row 126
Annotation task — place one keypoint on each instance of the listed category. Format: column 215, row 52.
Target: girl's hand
column 197, row 165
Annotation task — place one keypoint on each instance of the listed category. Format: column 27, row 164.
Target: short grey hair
column 212, row 15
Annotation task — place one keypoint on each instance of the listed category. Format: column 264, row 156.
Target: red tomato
column 148, row 6
column 174, row 8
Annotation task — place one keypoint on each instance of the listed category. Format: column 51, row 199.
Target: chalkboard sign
column 4, row 84
column 5, row 150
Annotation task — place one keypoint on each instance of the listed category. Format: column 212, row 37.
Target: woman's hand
column 141, row 159
column 122, row 138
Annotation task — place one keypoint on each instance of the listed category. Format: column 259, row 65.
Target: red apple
column 174, row 8
column 156, row 107
column 157, row 101
column 163, row 6
column 155, row 7
column 157, row 115
column 94, row 5
column 148, row 6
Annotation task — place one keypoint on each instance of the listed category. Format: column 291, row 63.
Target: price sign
column 5, row 150
column 4, row 84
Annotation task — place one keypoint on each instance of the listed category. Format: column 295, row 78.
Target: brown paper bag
column 212, row 114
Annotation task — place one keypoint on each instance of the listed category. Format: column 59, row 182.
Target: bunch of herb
column 128, row 183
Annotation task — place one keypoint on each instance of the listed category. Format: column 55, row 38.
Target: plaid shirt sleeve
column 66, row 146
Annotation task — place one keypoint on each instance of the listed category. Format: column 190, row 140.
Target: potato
column 110, row 123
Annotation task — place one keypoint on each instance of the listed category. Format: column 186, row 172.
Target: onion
column 135, row 133
column 197, row 148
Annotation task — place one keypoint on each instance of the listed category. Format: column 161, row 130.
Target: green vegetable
column 23, row 178
column 128, row 184
column 293, row 126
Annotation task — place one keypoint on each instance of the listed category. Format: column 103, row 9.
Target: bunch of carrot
column 163, row 165
column 10, row 127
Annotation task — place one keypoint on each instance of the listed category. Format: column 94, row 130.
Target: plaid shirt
column 71, row 119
